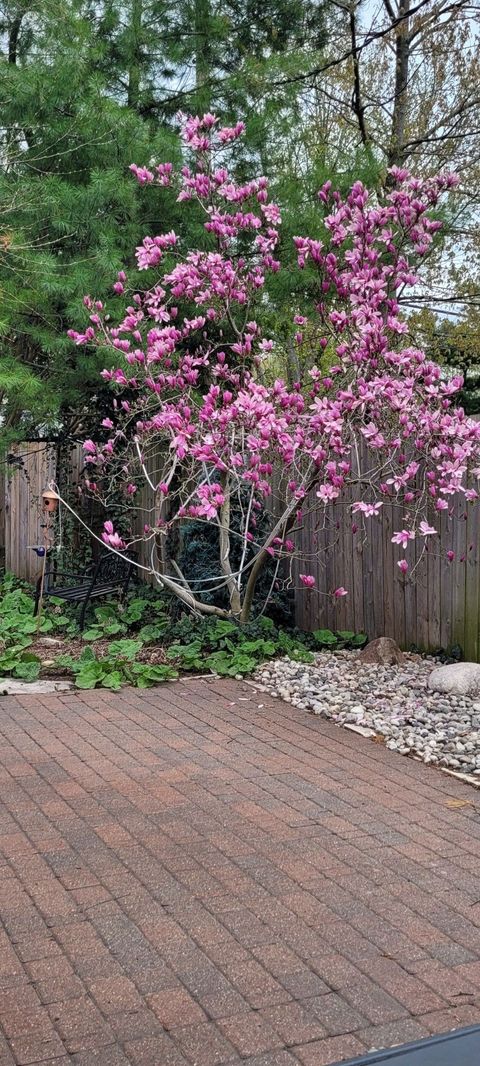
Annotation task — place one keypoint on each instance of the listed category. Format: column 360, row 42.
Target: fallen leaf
column 454, row 803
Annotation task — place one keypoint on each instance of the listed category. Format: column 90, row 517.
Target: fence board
column 23, row 511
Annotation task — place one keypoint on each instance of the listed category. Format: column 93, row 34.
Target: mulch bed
column 153, row 654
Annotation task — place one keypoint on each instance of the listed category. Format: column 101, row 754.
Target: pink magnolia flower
column 340, row 592
column 368, row 509
column 114, row 541
column 403, row 537
column 142, row 174
column 308, row 580
column 403, row 565
column 110, row 537
column 426, row 530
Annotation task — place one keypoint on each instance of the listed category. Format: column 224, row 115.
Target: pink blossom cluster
column 191, row 354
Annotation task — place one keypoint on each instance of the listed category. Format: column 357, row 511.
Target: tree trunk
column 202, row 56
column 396, row 155
column 135, row 62
column 224, row 535
column 357, row 100
column 281, row 527
column 13, row 36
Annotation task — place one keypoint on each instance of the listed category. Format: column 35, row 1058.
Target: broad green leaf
column 94, row 633
column 152, row 631
column 325, row 636
column 126, row 649
column 27, row 671
column 359, row 640
column 112, row 680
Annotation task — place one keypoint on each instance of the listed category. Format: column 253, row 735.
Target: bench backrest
column 112, row 568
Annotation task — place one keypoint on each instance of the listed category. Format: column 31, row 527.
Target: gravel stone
column 394, row 700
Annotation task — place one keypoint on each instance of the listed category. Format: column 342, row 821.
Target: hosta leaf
column 359, row 640
column 325, row 636
column 126, row 649
column 27, row 671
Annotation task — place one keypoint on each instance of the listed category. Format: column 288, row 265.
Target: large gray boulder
column 457, row 679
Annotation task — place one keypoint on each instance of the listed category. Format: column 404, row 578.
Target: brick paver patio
column 202, row 875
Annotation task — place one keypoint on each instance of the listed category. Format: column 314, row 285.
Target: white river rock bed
column 391, row 701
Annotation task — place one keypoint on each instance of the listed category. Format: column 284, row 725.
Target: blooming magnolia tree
column 194, row 418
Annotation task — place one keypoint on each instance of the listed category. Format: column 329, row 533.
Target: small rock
column 358, row 710
column 362, row 729
column 384, row 650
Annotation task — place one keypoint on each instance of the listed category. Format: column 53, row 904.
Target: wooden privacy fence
column 437, row 604
column 30, row 469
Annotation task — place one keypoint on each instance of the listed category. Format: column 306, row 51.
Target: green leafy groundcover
column 143, row 624
column 223, row 647
column 18, row 628
column 115, row 669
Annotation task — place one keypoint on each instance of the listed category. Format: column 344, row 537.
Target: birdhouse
column 50, row 501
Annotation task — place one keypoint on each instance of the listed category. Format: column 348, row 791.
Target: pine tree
column 87, row 89
column 70, row 211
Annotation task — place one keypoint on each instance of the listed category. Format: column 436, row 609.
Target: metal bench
column 109, row 576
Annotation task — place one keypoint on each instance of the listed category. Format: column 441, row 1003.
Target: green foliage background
column 87, row 89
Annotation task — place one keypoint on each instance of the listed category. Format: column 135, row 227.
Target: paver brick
column 295, row 1022
column 204, row 1045
column 105, row 1056
column 153, row 1051
column 402, row 1032
column 186, row 879
column 442, row 1021
column 408, row 990
column 450, row 984
column 112, row 994
column 36, row 1049
column 304, row 984
column 33, row 1021
column 176, row 1007
column 332, row 1050
column 336, row 1015
column 59, row 988
column 250, row 1034
column 376, row 1004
